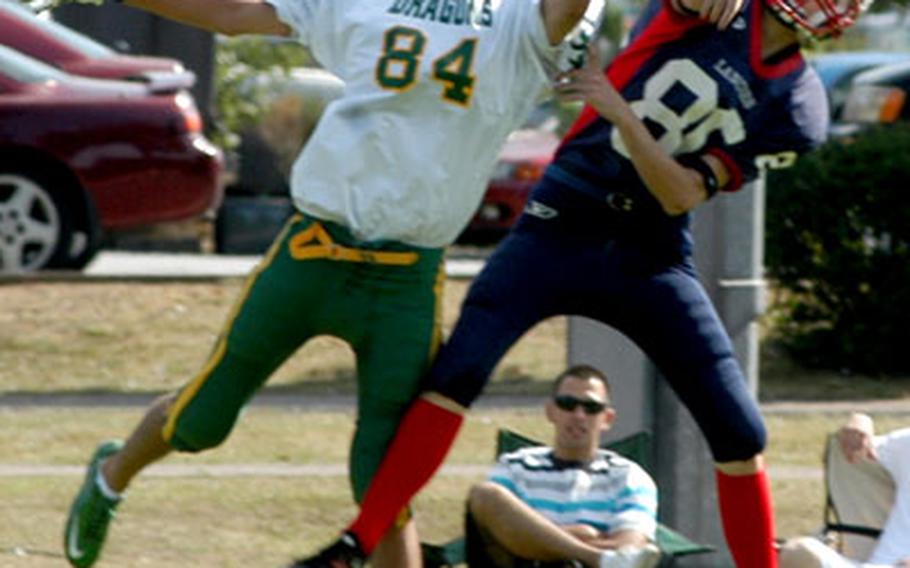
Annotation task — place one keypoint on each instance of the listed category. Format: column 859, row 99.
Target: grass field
column 137, row 337
column 143, row 337
column 150, row 337
column 201, row 519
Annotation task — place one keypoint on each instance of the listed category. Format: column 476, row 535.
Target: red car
column 80, row 156
column 73, row 52
column 522, row 161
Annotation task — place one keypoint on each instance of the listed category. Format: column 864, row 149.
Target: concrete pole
column 729, row 235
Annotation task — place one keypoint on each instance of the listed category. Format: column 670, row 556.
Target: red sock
column 424, row 437
column 748, row 518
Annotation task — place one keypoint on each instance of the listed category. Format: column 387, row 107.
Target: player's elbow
column 228, row 31
column 224, row 22
column 681, row 202
column 682, row 197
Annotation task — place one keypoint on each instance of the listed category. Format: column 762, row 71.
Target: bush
column 240, row 65
column 838, row 246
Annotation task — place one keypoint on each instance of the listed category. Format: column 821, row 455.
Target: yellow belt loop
column 301, row 249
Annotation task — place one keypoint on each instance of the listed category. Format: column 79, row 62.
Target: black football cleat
column 343, row 553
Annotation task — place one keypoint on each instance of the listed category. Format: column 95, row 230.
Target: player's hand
column 720, row 12
column 590, row 85
column 856, row 444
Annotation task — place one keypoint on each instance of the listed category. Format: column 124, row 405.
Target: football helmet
column 819, row 19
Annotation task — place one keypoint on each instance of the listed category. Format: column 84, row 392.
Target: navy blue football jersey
column 699, row 90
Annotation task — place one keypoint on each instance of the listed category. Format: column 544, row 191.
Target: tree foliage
column 838, row 245
column 242, row 67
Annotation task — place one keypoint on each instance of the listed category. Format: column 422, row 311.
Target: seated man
column 860, row 448
column 572, row 502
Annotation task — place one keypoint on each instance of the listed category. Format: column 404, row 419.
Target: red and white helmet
column 820, row 19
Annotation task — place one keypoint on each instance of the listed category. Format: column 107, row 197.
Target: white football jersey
column 432, row 90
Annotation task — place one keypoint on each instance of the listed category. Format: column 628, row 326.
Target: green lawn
column 263, row 521
column 148, row 337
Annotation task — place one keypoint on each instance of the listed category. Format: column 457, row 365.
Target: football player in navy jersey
column 701, row 97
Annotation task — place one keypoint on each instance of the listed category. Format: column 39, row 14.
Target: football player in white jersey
column 393, row 172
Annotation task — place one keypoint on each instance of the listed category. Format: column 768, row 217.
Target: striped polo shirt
column 609, row 493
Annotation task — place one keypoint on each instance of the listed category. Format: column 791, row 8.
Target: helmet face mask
column 819, row 19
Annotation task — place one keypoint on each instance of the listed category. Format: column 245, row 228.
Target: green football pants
column 382, row 297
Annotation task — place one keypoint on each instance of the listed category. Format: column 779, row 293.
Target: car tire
column 39, row 224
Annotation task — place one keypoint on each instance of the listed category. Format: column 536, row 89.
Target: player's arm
column 229, row 17
column 720, row 12
column 560, row 16
column 676, row 187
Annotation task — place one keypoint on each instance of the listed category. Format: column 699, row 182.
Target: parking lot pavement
column 122, row 264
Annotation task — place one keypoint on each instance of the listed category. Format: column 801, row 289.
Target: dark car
column 75, row 53
column 80, row 156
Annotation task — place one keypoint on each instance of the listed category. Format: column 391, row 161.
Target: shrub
column 838, row 247
column 240, row 65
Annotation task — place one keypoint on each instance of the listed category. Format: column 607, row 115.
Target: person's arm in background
column 856, row 438
column 228, row 17
column 606, row 541
column 633, row 514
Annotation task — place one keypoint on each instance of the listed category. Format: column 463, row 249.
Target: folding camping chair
column 858, row 498
column 636, row 447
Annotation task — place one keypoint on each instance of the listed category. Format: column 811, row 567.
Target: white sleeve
column 894, row 453
column 313, row 24
column 637, row 503
column 524, row 23
column 504, row 473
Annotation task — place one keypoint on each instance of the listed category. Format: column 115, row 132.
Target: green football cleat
column 90, row 514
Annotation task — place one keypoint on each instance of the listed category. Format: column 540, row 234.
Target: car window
column 24, row 69
column 83, row 44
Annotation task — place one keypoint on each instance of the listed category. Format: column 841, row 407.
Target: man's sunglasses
column 570, row 403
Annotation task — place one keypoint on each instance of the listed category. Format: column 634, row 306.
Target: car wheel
column 37, row 228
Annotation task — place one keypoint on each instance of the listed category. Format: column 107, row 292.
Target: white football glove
column 575, row 44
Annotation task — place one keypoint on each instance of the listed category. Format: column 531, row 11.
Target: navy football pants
column 571, row 264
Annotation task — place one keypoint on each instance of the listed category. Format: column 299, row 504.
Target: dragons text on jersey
column 455, row 12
